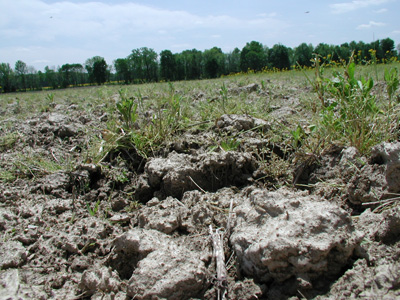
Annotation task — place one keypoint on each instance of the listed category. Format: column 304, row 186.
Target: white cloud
column 93, row 21
column 371, row 24
column 345, row 7
column 69, row 31
column 381, row 11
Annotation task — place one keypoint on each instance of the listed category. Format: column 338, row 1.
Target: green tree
column 377, row 46
column 253, row 57
column 7, row 80
column 342, row 52
column 278, row 57
column 65, row 74
column 21, row 70
column 233, row 61
column 51, row 77
column 144, row 64
column 388, row 48
column 122, row 68
column 136, row 65
column 180, row 67
column 214, row 62
column 324, row 51
column 71, row 74
column 41, row 79
column 98, row 75
column 100, row 71
column 168, row 65
column 303, row 54
column 78, row 74
column 189, row 64
column 362, row 51
column 150, row 63
column 32, row 81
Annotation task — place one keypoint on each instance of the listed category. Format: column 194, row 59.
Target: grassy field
column 332, row 107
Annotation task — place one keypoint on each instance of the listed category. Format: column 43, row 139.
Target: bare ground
column 135, row 228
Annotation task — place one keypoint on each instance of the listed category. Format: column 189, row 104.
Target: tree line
column 145, row 65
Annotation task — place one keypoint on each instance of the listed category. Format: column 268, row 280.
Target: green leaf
column 351, row 70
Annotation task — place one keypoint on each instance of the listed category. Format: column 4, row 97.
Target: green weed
column 224, row 97
column 128, row 110
column 353, row 114
column 350, row 112
column 146, row 132
column 392, row 83
column 319, row 81
column 298, row 135
column 50, row 97
column 134, row 206
column 226, row 144
column 93, row 211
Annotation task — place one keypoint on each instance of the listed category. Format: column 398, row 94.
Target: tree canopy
column 97, row 69
column 253, row 57
column 145, row 65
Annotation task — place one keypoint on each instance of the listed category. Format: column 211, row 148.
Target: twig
column 381, row 201
column 196, row 235
column 228, row 225
column 218, row 253
column 383, row 205
column 191, row 179
column 229, row 261
column 302, row 295
column 52, row 154
column 180, row 202
column 81, row 296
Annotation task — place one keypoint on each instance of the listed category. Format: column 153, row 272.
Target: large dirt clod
column 283, row 234
column 157, row 266
column 179, row 173
column 172, row 273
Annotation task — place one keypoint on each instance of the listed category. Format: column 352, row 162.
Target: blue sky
column 52, row 32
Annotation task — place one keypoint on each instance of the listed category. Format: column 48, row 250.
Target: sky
column 55, row 32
